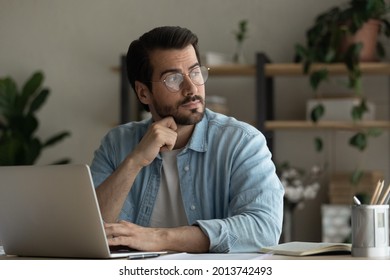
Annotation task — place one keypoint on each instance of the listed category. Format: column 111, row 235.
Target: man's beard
column 182, row 119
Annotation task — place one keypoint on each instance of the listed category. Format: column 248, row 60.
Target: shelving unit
column 333, row 125
column 293, row 69
column 267, row 72
column 264, row 72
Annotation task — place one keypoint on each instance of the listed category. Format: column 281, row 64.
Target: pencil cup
column 370, row 231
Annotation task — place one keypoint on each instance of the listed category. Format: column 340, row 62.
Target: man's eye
column 195, row 73
column 173, row 78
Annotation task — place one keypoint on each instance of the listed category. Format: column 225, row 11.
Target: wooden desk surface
column 233, row 256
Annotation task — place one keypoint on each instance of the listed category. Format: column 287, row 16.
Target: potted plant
column 330, row 31
column 331, row 40
column 18, row 122
column 240, row 35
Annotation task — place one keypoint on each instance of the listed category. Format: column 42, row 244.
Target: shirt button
column 193, row 207
column 186, row 168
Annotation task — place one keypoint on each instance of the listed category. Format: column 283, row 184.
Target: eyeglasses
column 198, row 75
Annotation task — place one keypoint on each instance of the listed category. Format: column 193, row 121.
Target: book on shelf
column 298, row 248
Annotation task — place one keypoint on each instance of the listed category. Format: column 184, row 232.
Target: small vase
column 238, row 56
column 288, row 221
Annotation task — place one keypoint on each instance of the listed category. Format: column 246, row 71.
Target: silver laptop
column 52, row 211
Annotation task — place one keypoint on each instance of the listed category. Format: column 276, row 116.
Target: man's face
column 187, row 105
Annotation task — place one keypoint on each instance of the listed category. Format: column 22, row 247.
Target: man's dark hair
column 138, row 63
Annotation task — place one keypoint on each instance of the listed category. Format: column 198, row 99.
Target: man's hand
column 160, row 137
column 133, row 236
column 180, row 239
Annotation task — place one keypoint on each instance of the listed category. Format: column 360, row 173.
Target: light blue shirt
column 227, row 178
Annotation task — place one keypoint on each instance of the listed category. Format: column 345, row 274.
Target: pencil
column 376, row 192
column 385, row 197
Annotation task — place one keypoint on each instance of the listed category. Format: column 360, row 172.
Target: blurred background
column 78, row 43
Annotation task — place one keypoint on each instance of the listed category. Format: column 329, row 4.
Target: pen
column 142, row 256
column 377, row 191
column 356, row 200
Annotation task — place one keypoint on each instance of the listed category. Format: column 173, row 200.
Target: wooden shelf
column 296, row 69
column 232, row 70
column 333, row 125
column 277, row 69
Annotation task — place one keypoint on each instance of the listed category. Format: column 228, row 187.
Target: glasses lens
column 198, row 76
column 173, row 81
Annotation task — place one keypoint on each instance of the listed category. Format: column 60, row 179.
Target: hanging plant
column 326, row 43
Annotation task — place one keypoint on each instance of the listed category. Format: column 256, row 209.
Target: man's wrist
column 133, row 164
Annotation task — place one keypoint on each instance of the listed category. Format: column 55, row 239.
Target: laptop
column 52, row 211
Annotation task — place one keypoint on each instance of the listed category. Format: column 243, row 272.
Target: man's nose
column 188, row 87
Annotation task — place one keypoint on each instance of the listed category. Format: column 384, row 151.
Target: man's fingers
column 169, row 122
column 161, row 136
column 118, row 229
column 165, row 133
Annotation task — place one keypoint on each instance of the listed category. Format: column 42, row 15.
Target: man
column 187, row 179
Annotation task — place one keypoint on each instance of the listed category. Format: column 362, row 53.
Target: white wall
column 75, row 43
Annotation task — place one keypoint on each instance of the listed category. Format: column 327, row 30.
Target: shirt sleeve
column 102, row 164
column 256, row 204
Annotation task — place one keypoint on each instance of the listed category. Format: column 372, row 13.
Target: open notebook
column 52, row 211
column 298, row 248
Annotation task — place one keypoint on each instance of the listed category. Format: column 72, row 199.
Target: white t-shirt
column 169, row 210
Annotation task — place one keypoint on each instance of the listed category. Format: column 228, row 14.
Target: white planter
column 339, row 109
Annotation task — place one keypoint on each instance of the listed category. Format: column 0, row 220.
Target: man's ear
column 142, row 92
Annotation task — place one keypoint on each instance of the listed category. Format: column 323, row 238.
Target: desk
column 255, row 256
column 210, row 256
column 241, row 256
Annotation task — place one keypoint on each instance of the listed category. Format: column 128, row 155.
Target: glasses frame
column 203, row 69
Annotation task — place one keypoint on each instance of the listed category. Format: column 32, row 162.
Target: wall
column 76, row 42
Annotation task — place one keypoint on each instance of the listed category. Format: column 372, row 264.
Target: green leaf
column 356, row 176
column 23, row 125
column 386, row 26
column 317, row 112
column 317, row 77
column 8, row 96
column 32, row 84
column 359, row 141
column 30, row 88
column 318, row 144
column 39, row 100
column 56, row 138
column 359, row 110
column 300, row 52
column 10, row 147
column 330, row 55
column 374, row 132
column 352, row 55
column 32, row 150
